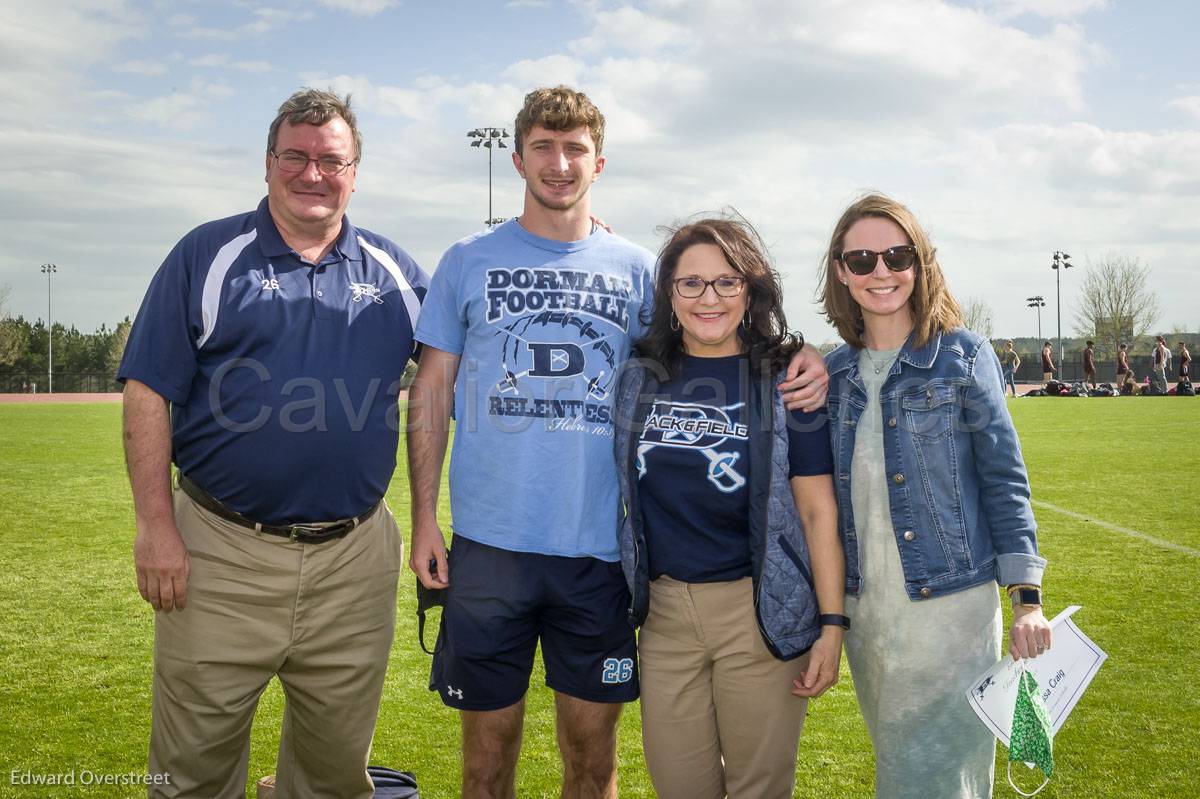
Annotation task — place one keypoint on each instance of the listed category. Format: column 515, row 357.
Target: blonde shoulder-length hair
column 934, row 308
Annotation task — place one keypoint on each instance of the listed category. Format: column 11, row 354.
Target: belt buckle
column 303, row 529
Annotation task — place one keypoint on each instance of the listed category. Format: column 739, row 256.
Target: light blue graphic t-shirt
column 542, row 327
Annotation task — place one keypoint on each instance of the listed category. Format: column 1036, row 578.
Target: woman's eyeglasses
column 692, row 287
column 862, row 262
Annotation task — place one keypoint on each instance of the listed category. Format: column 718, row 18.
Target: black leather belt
column 301, row 533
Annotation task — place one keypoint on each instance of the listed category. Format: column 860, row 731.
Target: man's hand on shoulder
column 807, row 381
column 161, row 560
column 427, row 555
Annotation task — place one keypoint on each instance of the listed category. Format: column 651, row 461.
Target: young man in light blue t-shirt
column 523, row 329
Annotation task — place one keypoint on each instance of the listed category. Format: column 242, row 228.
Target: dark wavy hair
column 768, row 343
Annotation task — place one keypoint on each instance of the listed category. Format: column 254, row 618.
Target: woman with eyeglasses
column 933, row 502
column 730, row 537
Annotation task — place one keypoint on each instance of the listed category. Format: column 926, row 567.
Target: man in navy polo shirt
column 265, row 362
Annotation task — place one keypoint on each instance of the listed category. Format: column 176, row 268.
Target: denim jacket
column 957, row 484
column 785, row 600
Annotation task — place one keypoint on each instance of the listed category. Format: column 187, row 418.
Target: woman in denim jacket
column 730, row 541
column 933, row 500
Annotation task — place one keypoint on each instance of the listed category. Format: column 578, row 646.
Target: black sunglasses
column 862, row 262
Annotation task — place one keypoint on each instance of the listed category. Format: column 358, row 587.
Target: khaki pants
column 718, row 716
column 320, row 616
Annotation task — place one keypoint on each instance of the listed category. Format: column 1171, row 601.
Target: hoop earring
column 747, row 320
column 674, row 322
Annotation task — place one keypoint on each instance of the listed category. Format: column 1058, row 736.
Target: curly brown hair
column 559, row 108
column 767, row 340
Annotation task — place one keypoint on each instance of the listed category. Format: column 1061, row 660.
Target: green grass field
column 75, row 637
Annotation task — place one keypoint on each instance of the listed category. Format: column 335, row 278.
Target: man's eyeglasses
column 862, row 262
column 692, row 287
column 298, row 162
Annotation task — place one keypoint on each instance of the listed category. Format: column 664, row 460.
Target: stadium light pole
column 48, row 270
column 490, row 138
column 1061, row 262
column 1039, row 303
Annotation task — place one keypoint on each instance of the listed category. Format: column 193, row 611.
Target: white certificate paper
column 1062, row 674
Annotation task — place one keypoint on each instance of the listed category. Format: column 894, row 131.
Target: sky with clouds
column 1012, row 127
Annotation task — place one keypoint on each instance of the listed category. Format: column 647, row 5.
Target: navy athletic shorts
column 500, row 603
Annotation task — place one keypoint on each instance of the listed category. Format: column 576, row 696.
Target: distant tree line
column 24, row 351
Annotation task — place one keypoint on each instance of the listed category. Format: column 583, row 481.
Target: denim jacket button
column 892, row 422
column 898, row 478
column 926, row 593
column 909, row 535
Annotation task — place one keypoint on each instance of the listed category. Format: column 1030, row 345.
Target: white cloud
column 548, row 71
column 108, row 209
column 266, row 20
column 363, row 90
column 181, row 110
column 254, row 66
column 45, row 46
column 225, row 61
column 209, row 60
column 147, row 68
column 217, row 91
column 1055, row 9
column 1084, row 158
column 1188, row 105
column 637, row 94
column 360, row 8
column 818, row 65
column 425, row 100
column 628, row 28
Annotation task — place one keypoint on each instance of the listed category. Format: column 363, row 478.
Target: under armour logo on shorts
column 451, row 692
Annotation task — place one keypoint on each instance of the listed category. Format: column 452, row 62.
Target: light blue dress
column 912, row 662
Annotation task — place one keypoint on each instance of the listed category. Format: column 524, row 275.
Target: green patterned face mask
column 1030, row 740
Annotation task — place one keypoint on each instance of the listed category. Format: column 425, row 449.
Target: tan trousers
column 718, row 716
column 320, row 616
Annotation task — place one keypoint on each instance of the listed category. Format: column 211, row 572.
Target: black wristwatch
column 834, row 619
column 1027, row 596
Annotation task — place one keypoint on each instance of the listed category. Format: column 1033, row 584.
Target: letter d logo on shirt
column 556, row 360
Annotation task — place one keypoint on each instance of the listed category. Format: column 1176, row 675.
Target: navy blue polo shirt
column 693, row 461
column 282, row 374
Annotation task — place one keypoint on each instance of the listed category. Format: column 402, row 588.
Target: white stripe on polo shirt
column 210, row 300
column 411, row 302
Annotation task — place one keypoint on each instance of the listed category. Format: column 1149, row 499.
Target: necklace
column 877, row 365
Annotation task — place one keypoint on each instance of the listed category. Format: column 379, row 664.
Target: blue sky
column 1012, row 127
